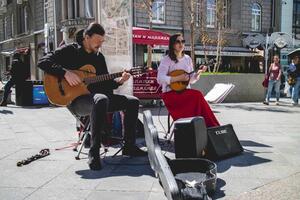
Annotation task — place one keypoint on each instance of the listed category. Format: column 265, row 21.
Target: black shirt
column 73, row 56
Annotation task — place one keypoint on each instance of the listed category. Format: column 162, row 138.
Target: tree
column 219, row 27
column 148, row 5
column 191, row 10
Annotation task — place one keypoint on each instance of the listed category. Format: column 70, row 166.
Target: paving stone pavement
column 268, row 169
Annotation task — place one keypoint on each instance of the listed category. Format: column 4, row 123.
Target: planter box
column 248, row 87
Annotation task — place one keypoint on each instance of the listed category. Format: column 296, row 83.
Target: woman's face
column 179, row 44
column 276, row 59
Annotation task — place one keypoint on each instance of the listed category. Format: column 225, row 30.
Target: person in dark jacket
column 294, row 70
column 18, row 75
column 101, row 100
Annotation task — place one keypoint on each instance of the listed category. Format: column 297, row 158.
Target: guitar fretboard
column 104, row 77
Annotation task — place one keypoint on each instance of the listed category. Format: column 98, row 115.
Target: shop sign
column 75, row 22
column 146, row 86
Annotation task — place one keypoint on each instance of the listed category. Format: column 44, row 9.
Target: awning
column 7, row 53
column 149, row 37
column 294, row 52
column 226, row 51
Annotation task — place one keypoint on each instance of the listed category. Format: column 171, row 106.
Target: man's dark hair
column 79, row 37
column 94, row 28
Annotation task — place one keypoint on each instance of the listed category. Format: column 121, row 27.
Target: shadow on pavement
column 250, row 143
column 247, row 158
column 6, row 112
column 119, row 166
column 278, row 109
column 219, row 192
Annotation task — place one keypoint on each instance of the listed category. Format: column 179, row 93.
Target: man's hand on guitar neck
column 125, row 77
column 72, row 78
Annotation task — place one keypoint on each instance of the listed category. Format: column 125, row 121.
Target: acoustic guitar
column 179, row 85
column 60, row 93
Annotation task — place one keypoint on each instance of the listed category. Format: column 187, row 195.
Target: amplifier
column 222, row 142
column 190, row 137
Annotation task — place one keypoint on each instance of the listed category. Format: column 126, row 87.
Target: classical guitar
column 60, row 93
column 182, row 85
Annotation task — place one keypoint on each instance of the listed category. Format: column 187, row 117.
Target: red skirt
column 189, row 103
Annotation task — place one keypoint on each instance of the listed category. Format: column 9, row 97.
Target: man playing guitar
column 101, row 99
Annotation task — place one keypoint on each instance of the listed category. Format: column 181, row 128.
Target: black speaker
column 24, row 93
column 190, row 137
column 222, row 142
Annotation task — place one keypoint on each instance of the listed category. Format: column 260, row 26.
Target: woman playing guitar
column 175, row 74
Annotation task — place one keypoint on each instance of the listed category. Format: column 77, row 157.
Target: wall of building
column 287, row 17
column 173, row 16
column 246, row 14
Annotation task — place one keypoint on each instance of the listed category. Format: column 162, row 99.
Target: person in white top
column 185, row 102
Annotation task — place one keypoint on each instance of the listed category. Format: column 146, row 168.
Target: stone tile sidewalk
column 270, row 136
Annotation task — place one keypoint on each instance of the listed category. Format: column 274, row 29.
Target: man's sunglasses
column 180, row 41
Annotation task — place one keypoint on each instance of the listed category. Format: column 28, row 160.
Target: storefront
column 146, row 86
column 233, row 59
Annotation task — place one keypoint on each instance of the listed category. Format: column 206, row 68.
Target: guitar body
column 60, row 93
column 180, row 85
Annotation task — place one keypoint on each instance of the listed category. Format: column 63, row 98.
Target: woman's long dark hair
column 172, row 41
column 93, row 28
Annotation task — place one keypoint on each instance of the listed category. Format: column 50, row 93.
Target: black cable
column 158, row 116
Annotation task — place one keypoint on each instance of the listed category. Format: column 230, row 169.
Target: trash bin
column 31, row 93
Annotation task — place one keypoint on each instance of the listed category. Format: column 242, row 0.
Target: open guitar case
column 182, row 178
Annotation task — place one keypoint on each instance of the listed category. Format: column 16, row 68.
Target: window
column 296, row 19
column 158, row 12
column 22, row 19
column 74, row 9
column 256, row 17
column 5, row 28
column 89, row 12
column 211, row 13
column 198, row 14
column 46, row 5
column 12, row 25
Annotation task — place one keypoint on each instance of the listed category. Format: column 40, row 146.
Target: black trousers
column 7, row 88
column 98, row 105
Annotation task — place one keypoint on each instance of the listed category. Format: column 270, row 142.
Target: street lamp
column 279, row 40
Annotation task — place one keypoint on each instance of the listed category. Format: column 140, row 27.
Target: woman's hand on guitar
column 72, row 78
column 181, row 77
column 202, row 69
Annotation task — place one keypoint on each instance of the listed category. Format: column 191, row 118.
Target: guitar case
column 182, row 178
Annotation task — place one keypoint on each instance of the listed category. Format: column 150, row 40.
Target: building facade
column 240, row 19
column 167, row 17
column 36, row 27
column 23, row 30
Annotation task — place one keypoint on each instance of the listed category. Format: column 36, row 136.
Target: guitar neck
column 100, row 78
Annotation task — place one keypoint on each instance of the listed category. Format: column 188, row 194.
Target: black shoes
column 266, row 103
column 94, row 161
column 133, row 151
column 3, row 103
